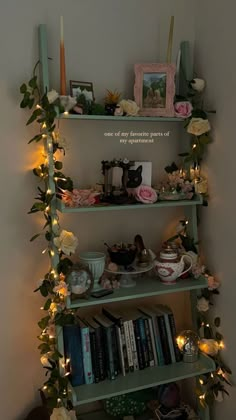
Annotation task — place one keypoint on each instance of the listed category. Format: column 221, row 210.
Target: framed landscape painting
column 154, row 89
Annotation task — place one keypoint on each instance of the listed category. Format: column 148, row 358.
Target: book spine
column 138, row 345
column 109, row 352
column 87, row 361
column 128, row 346
column 115, row 351
column 169, row 337
column 164, row 339
column 149, row 343
column 100, row 353
column 133, row 345
column 124, row 347
column 73, row 351
column 161, row 360
column 120, row 350
column 174, row 334
column 143, row 341
column 95, row 362
column 119, row 322
column 151, row 329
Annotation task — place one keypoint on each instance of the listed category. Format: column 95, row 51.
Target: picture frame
column 77, row 88
column 154, row 89
column 80, row 280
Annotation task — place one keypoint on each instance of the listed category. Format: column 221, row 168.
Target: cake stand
column 128, row 275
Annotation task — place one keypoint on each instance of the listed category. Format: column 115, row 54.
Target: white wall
column 103, row 40
column 215, row 59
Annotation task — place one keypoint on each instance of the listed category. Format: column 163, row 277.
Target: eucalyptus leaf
column 35, row 236
column 217, row 321
column 23, row 88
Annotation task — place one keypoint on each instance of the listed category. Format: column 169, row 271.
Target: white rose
column 60, row 413
column 209, row 346
column 198, row 126
column 52, row 96
column 129, row 107
column 198, row 84
column 203, row 304
column 67, row 242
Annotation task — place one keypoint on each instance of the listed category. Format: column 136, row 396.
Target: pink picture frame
column 154, row 89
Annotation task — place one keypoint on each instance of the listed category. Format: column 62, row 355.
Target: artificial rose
column 52, row 96
column 198, row 84
column 129, row 107
column 67, row 242
column 145, row 194
column 209, row 346
column 203, row 304
column 62, row 413
column 183, row 109
column 198, row 126
column 213, row 283
column 62, row 289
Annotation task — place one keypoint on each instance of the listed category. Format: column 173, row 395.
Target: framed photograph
column 85, row 88
column 154, row 89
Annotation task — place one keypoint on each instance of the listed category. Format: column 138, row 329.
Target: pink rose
column 145, row 194
column 183, row 109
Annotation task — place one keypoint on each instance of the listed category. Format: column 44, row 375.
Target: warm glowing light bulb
column 47, row 208
column 45, row 387
column 66, row 113
column 194, row 146
column 201, row 381
column 44, row 136
column 52, row 253
column 54, row 222
column 49, row 191
column 44, row 125
column 221, row 345
column 38, row 106
column 202, row 397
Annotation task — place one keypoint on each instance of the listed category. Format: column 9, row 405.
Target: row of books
column 119, row 342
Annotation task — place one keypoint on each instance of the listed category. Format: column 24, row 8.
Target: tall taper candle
column 62, row 61
column 170, row 41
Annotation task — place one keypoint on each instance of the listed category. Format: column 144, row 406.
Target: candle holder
column 188, row 342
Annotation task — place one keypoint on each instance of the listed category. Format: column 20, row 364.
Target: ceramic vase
column 96, row 263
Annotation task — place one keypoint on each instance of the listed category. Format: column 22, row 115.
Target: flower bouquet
column 176, row 186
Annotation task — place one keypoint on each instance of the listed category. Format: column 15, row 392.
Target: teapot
column 169, row 265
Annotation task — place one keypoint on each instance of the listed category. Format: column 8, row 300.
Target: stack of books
column 120, row 342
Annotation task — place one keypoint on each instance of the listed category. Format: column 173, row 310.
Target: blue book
column 107, row 326
column 86, row 350
column 73, row 351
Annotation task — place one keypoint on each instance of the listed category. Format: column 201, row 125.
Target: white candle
column 62, row 30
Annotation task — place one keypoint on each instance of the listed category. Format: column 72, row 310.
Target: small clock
column 80, row 281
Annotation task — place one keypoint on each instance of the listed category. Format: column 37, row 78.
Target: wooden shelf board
column 145, row 287
column 179, row 203
column 141, row 379
column 118, row 118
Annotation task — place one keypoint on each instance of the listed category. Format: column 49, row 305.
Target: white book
column 133, row 345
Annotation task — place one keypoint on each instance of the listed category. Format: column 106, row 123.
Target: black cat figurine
column 134, row 177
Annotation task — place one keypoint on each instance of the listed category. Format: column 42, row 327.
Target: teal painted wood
column 43, row 56
column 60, row 348
column 141, row 379
column 181, row 203
column 144, row 288
column 118, row 118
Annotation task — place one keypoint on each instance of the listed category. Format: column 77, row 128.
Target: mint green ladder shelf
column 151, row 376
